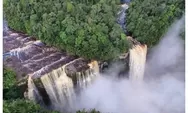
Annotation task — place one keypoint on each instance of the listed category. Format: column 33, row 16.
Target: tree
column 23, row 106
column 76, row 26
column 14, row 102
column 13, row 99
column 85, row 111
column 10, row 88
column 148, row 20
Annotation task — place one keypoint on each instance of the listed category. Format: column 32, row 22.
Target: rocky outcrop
column 53, row 77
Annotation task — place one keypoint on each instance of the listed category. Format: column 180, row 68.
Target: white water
column 60, row 88
column 20, row 53
column 163, row 93
column 137, row 59
column 122, row 16
column 33, row 93
column 108, row 94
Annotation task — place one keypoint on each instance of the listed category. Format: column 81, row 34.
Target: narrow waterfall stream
column 33, row 93
column 60, row 76
column 137, row 62
column 72, row 83
column 163, row 93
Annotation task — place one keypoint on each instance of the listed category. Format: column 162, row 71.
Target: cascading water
column 50, row 68
column 21, row 52
column 137, row 57
column 53, row 73
column 60, row 86
column 122, row 14
column 89, row 75
column 163, row 93
column 137, row 62
column 33, row 93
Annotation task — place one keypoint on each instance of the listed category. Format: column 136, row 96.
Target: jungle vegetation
column 13, row 96
column 148, row 20
column 86, row 28
column 14, row 101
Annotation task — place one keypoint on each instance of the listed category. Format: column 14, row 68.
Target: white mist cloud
column 161, row 92
column 169, row 54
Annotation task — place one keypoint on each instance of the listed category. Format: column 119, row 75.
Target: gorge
column 60, row 81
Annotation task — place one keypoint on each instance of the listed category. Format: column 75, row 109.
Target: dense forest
column 148, row 20
column 14, row 100
column 85, row 28
column 88, row 28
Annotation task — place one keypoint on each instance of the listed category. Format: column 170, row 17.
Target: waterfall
column 60, row 86
column 85, row 78
column 137, row 62
column 55, row 78
column 33, row 93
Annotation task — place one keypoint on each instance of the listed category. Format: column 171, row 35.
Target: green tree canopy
column 86, row 28
column 10, row 88
column 23, row 106
column 13, row 99
column 148, row 20
column 14, row 102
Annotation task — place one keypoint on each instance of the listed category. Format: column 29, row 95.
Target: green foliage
column 85, row 111
column 13, row 101
column 23, row 106
column 26, row 106
column 10, row 88
column 86, row 28
column 148, row 20
column 8, row 78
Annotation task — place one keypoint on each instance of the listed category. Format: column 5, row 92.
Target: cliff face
column 53, row 77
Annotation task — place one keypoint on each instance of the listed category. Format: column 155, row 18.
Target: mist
column 163, row 88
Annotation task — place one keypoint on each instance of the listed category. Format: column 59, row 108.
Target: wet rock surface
column 28, row 56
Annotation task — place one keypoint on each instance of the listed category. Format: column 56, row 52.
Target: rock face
column 54, row 77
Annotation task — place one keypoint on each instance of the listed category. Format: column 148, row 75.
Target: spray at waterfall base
column 161, row 77
column 160, row 91
column 163, row 85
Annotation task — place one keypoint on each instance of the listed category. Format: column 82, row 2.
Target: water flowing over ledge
column 54, row 77
column 50, row 71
